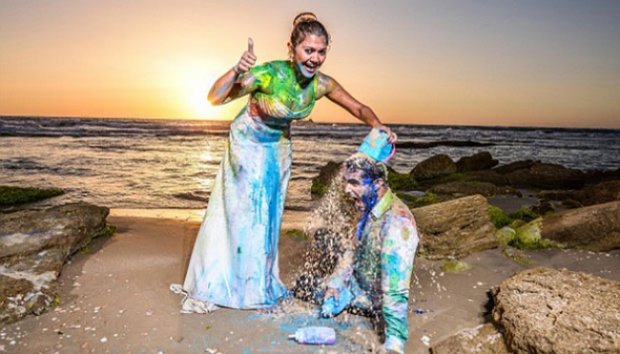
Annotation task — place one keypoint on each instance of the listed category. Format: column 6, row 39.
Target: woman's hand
column 392, row 137
column 248, row 59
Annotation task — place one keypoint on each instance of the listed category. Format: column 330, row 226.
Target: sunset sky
column 509, row 63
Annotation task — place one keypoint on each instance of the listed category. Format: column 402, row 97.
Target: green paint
column 285, row 89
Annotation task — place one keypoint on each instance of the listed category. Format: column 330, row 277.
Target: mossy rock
column 529, row 237
column 525, row 214
column 296, row 234
column 401, row 181
column 514, row 220
column 454, row 266
column 416, row 202
column 505, row 236
column 321, row 183
column 452, row 177
column 10, row 195
column 498, row 217
column 318, row 188
column 107, row 231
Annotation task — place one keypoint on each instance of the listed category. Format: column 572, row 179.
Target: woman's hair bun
column 304, row 17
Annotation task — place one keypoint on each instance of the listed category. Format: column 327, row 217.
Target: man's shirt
column 382, row 264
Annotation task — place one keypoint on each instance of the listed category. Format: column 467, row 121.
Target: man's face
column 361, row 189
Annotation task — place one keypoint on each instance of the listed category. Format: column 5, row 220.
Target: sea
column 154, row 164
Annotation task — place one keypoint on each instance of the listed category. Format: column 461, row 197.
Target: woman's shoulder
column 271, row 68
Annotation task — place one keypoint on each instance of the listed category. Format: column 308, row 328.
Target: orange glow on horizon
column 411, row 62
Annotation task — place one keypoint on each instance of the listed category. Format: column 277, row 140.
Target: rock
column 480, row 161
column 514, row 166
column 463, row 188
column 598, row 176
column 10, row 195
column 400, row 181
column 414, row 200
column 456, row 228
column 556, row 195
column 34, row 245
column 431, row 144
column 601, row 193
column 435, row 166
column 546, row 176
column 484, row 339
column 454, row 266
column 321, row 183
column 490, row 176
column 529, row 236
column 543, row 310
column 595, row 228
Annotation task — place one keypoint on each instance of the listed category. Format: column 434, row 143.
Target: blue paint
column 369, row 198
column 333, row 307
column 376, row 146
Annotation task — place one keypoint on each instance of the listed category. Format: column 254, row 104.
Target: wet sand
column 114, row 297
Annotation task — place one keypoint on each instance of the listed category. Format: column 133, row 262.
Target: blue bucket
column 376, row 145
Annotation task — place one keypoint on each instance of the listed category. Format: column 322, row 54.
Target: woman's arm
column 233, row 84
column 337, row 94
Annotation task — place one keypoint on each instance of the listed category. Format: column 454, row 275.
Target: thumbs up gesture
column 248, row 59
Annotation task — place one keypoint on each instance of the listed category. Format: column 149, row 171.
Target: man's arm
column 399, row 245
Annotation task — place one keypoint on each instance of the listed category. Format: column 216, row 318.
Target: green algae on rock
column 454, row 266
column 11, row 195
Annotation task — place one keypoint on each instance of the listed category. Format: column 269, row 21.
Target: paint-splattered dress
column 234, row 262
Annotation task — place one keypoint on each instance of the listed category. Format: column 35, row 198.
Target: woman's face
column 310, row 54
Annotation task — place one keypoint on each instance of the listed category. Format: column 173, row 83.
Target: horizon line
column 309, row 120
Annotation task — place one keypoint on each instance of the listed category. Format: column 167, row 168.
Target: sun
column 200, row 106
column 197, row 101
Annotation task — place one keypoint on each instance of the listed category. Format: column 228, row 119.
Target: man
column 376, row 275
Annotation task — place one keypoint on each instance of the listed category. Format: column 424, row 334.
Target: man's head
column 364, row 181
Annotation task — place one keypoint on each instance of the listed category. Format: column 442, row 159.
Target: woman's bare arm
column 337, row 94
column 228, row 86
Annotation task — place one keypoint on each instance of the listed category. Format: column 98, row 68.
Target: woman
column 234, row 262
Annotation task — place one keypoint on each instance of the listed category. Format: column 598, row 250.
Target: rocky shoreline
column 459, row 211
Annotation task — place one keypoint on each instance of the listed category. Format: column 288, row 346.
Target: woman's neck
column 302, row 80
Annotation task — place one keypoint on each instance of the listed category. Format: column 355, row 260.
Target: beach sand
column 115, row 298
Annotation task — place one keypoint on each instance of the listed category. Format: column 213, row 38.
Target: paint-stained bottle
column 315, row 335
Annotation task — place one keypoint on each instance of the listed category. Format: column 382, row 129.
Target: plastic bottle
column 314, row 335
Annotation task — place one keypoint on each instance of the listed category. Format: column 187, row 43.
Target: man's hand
column 331, row 292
